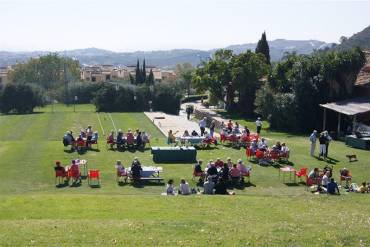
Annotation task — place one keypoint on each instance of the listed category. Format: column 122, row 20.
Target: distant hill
column 167, row 58
column 361, row 39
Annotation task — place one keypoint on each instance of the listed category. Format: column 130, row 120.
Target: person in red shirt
column 219, row 163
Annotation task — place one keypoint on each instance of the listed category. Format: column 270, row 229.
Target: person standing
column 202, row 125
column 313, row 142
column 188, row 111
column 322, row 141
column 212, row 128
column 259, row 125
column 328, row 140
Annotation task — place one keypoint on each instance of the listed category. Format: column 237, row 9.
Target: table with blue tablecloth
column 353, row 141
column 174, row 154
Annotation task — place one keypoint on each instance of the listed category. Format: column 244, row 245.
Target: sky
column 131, row 25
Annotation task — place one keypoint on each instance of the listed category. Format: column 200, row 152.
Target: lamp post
column 74, row 103
column 151, row 90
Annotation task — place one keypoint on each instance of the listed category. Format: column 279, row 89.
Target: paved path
column 180, row 123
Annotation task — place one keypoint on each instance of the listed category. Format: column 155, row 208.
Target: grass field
column 33, row 212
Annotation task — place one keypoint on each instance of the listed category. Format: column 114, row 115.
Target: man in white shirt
column 202, row 125
column 313, row 139
column 259, row 125
column 184, row 187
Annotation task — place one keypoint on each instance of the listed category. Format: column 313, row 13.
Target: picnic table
column 148, row 173
column 287, row 169
column 191, row 140
column 174, row 154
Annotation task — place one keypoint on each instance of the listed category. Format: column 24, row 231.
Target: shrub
column 20, row 98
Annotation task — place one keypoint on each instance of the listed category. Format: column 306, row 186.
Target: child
column 170, row 190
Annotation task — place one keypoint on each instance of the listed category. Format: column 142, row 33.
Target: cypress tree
column 151, row 78
column 263, row 47
column 138, row 75
column 144, row 72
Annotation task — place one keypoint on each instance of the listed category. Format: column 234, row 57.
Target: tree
column 20, row 98
column 247, row 70
column 151, row 78
column 215, row 76
column 263, row 47
column 46, row 71
column 185, row 73
column 138, row 74
column 144, row 72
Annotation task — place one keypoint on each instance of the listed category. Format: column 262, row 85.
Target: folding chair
column 93, row 175
column 75, row 174
column 302, row 173
column 59, row 175
column 122, row 174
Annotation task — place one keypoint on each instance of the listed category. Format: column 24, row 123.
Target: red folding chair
column 60, row 175
column 93, row 175
column 249, row 153
column 74, row 174
column 302, row 173
column 130, row 140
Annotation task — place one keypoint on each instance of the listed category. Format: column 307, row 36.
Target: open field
column 33, row 212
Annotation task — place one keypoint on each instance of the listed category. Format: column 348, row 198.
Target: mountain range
column 164, row 58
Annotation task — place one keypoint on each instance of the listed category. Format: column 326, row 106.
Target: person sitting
column 325, row 179
column 58, row 167
column 194, row 133
column 230, row 126
column 68, row 139
column 136, row 170
column 329, row 169
column 278, row 146
column 75, row 170
column 262, row 145
column 89, row 134
column 80, row 142
column 236, row 129
column 244, row 171
column 171, row 139
column 254, row 146
column 332, row 187
column 139, row 140
column 314, row 176
column 121, row 171
column 120, row 141
column 95, row 137
column 130, row 138
column 83, row 133
column 208, row 187
column 229, row 162
column 145, row 138
column 284, row 149
column 186, row 134
column 209, row 164
column 184, row 188
column 363, row 188
column 219, row 163
column 235, row 174
column 246, row 131
column 225, row 172
column 212, row 171
column 170, row 188
column 110, row 139
column 345, row 175
column 221, row 188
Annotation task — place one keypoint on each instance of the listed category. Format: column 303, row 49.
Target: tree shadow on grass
column 143, row 184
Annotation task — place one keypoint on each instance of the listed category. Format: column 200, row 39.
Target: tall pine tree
column 144, row 72
column 263, row 47
column 151, row 78
column 138, row 74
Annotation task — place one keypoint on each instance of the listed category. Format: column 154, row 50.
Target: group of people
column 209, row 188
column 324, row 141
column 135, row 169
column 228, row 171
column 137, row 139
column 171, row 139
column 86, row 138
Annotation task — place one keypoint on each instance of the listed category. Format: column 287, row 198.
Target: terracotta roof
column 363, row 77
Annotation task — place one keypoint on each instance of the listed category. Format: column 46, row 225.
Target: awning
column 350, row 107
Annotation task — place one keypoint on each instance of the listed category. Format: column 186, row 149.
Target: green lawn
column 33, row 212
